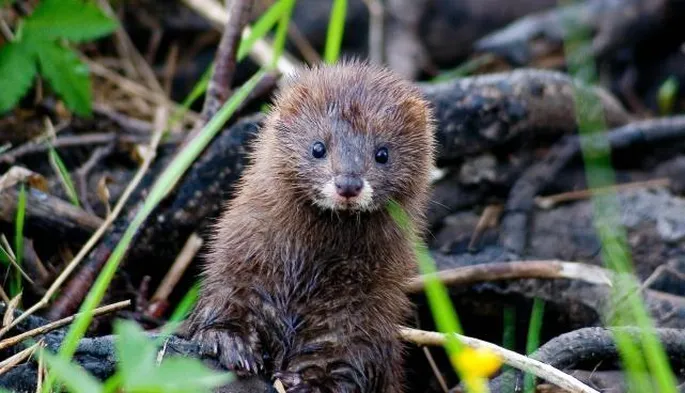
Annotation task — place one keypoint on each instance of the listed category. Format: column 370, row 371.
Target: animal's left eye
column 382, row 155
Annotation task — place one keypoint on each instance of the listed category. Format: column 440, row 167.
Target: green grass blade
column 263, row 25
column 198, row 90
column 166, row 181
column 615, row 252
column 64, row 176
column 533, row 342
column 16, row 284
column 282, row 31
column 186, row 304
column 278, row 12
column 444, row 314
column 181, row 311
column 336, row 28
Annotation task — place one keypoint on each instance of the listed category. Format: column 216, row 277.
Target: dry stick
column 14, row 340
column 302, row 44
column 3, row 295
column 160, row 121
column 83, row 171
column 261, row 51
column 41, row 374
column 128, row 123
column 179, row 267
column 13, row 259
column 219, row 88
column 521, row 269
column 5, row 29
column 436, row 370
column 521, row 362
column 96, row 138
column 550, row 201
column 488, row 219
column 8, row 363
column 170, row 68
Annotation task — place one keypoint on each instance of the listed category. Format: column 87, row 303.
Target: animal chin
column 330, row 200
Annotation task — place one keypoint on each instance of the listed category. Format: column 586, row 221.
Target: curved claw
column 231, row 350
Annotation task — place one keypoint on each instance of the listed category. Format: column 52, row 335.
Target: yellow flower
column 477, row 363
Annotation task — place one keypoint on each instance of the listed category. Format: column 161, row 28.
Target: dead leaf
column 17, row 174
column 103, row 192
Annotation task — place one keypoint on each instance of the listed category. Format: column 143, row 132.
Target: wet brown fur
column 310, row 295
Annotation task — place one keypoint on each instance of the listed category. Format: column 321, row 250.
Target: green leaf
column 75, row 378
column 533, row 341
column 67, row 75
column 668, row 92
column 74, row 20
column 135, row 352
column 336, row 28
column 15, row 284
column 139, row 371
column 17, row 70
column 282, row 31
column 63, row 174
column 184, row 375
column 2, row 4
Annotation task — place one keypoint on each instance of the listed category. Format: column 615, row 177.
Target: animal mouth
column 331, row 199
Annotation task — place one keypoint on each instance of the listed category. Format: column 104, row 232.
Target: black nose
column 348, row 186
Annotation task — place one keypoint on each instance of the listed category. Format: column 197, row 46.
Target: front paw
column 232, row 351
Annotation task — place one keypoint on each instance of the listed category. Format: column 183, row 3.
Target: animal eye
column 318, row 150
column 382, row 155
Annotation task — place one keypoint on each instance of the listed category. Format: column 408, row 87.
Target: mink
column 304, row 276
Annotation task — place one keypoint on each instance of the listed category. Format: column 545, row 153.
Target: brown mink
column 304, row 280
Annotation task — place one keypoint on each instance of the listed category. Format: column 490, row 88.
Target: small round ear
column 291, row 101
column 412, row 111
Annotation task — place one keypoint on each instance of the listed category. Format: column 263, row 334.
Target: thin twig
column 521, row 362
column 550, row 201
column 261, row 51
column 436, row 370
column 83, row 171
column 488, row 219
column 219, row 88
column 8, row 342
column 128, row 123
column 515, row 270
column 96, row 138
column 173, row 276
column 3, row 295
column 160, row 121
column 5, row 29
column 13, row 260
column 10, row 362
column 302, row 44
column 41, row 372
column 170, row 68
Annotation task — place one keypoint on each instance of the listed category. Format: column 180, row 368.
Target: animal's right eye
column 318, row 150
